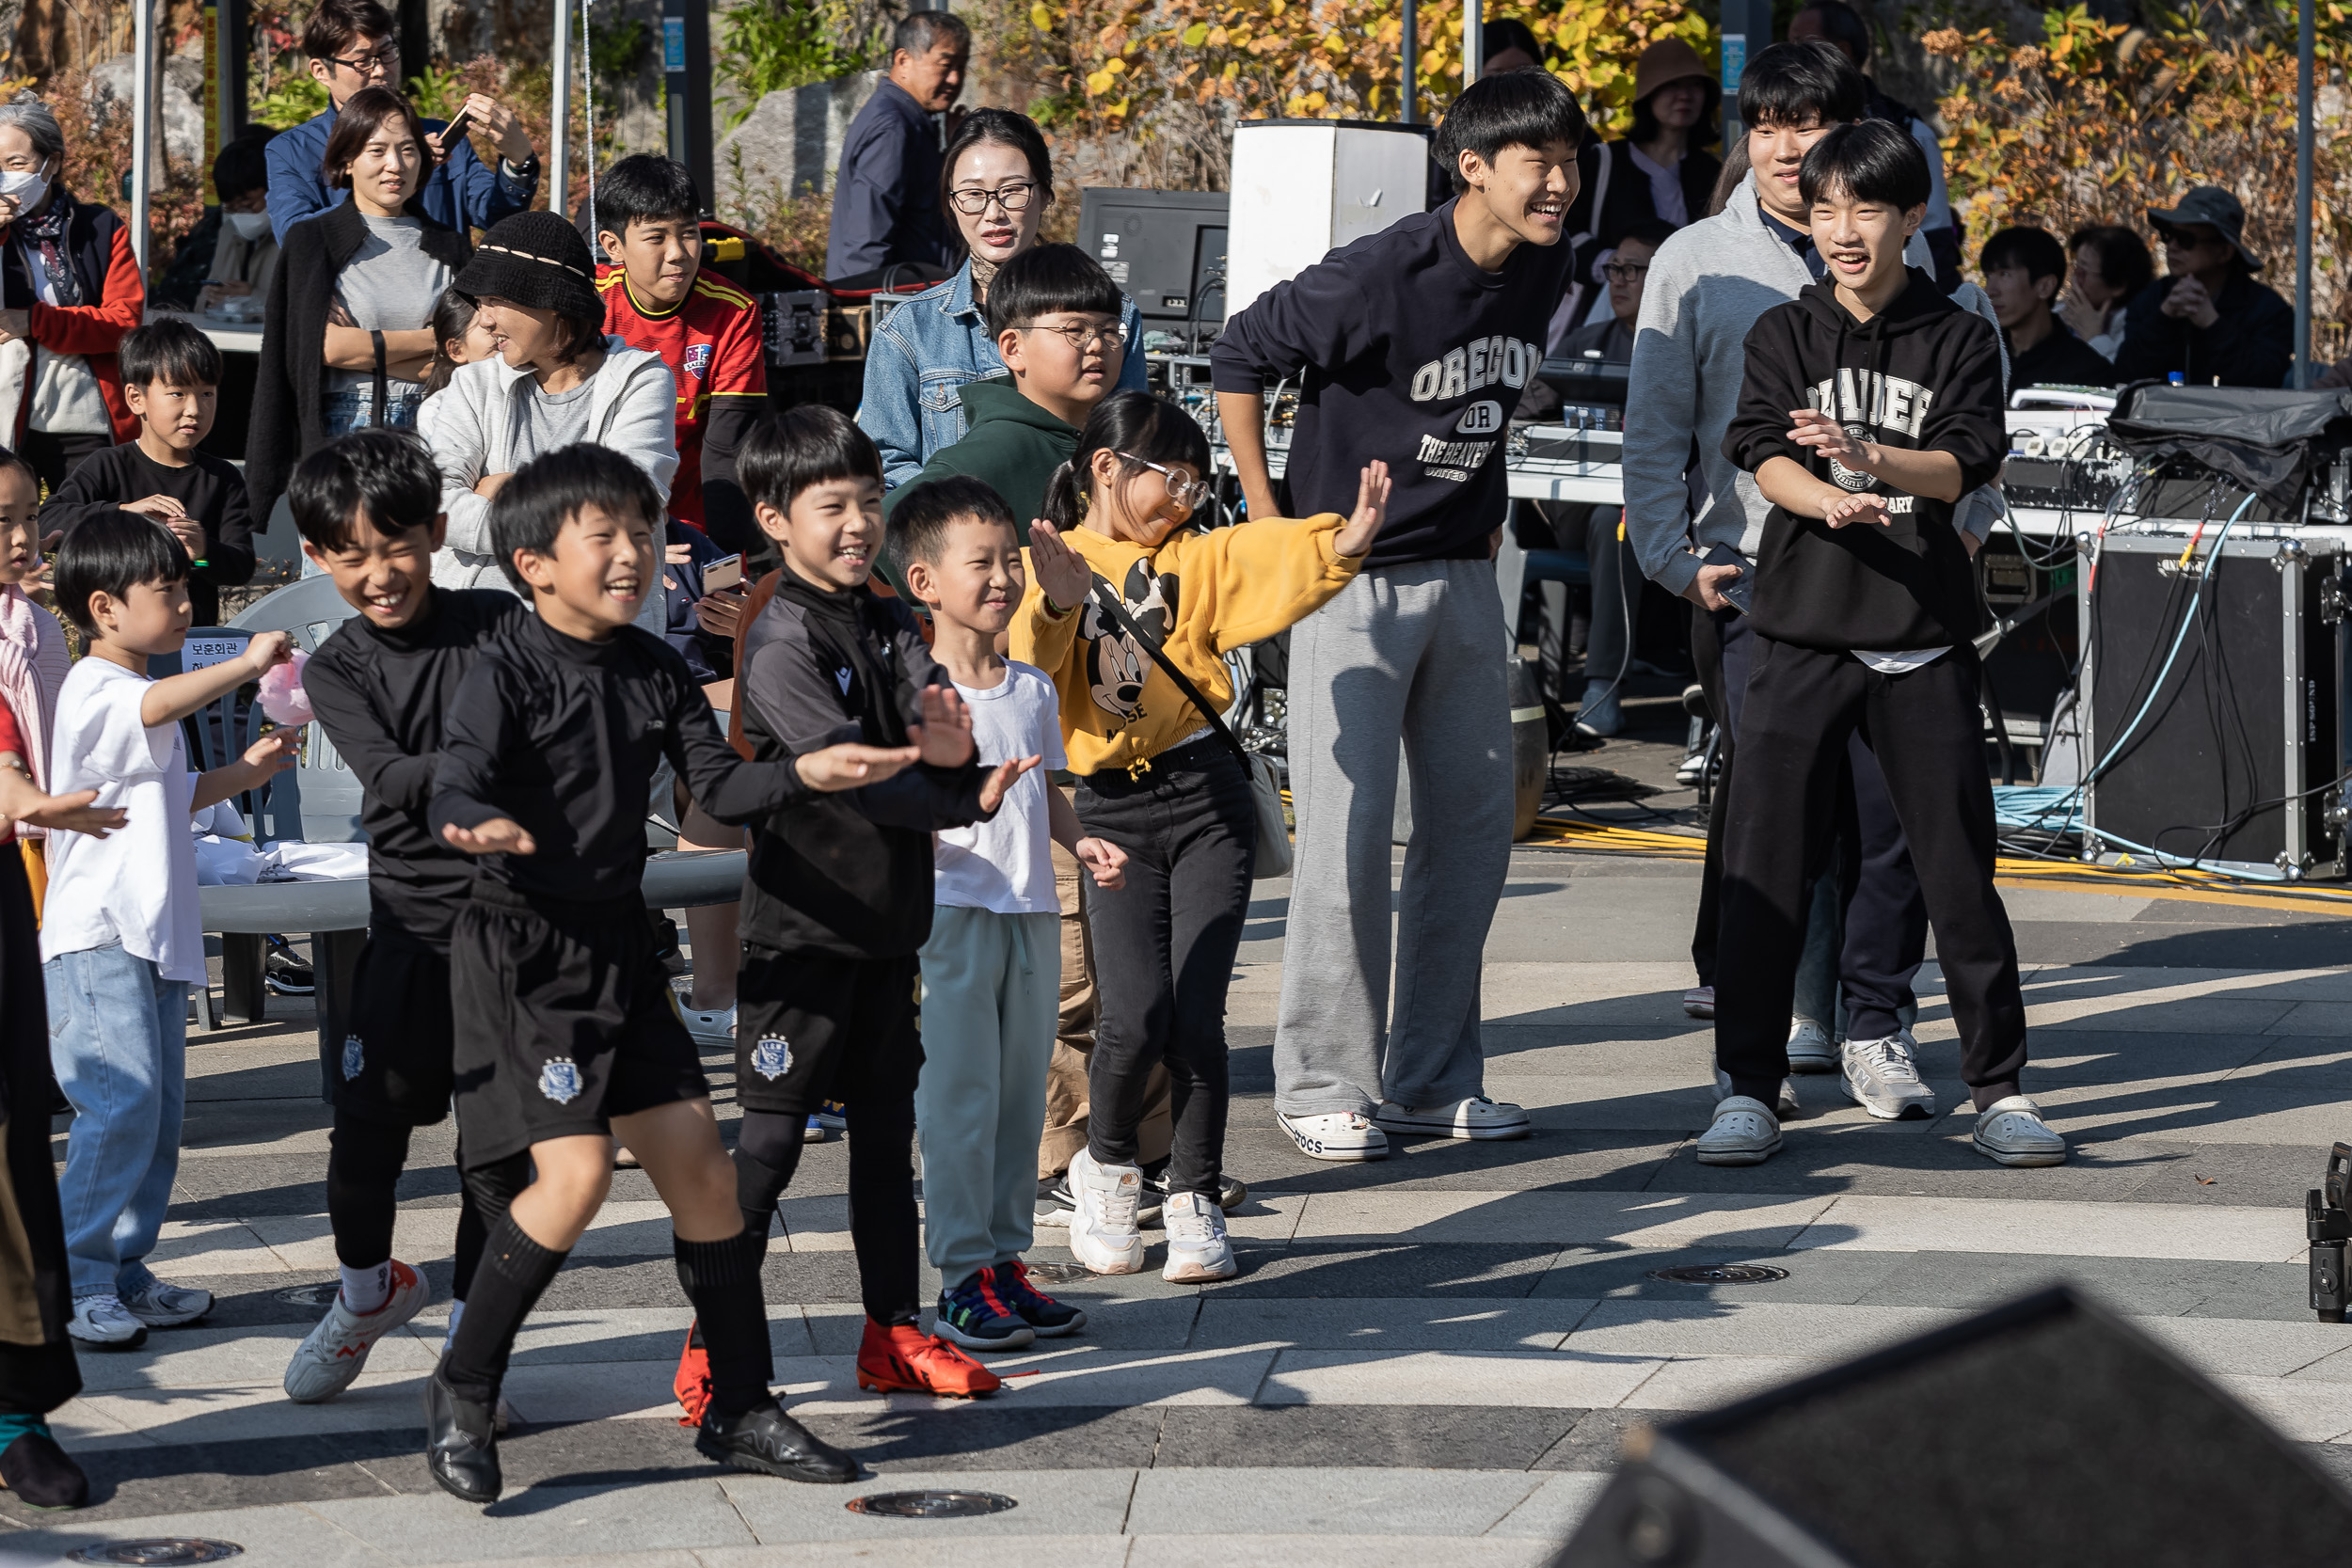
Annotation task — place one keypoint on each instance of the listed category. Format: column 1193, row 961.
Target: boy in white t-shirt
column 120, row 938
column 992, row 968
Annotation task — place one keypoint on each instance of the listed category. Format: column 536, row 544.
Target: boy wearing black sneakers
column 567, row 1031
column 1872, row 404
column 369, row 508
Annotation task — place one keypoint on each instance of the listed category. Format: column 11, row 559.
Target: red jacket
column 100, row 248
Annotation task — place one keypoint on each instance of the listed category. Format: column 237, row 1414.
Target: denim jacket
column 921, row 356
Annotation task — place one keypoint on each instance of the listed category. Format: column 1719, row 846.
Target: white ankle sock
column 365, row 1290
column 457, row 1310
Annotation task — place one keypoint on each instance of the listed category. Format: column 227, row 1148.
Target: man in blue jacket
column 353, row 44
column 886, row 195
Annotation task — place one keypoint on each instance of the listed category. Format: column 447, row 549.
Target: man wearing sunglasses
column 355, row 45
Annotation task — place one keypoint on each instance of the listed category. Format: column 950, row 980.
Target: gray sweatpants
column 1415, row 652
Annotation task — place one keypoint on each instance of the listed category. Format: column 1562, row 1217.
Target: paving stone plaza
column 1430, row 1359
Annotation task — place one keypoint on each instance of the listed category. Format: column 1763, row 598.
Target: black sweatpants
column 1164, row 949
column 1803, row 706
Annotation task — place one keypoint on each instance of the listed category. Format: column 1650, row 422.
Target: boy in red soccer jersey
column 705, row 328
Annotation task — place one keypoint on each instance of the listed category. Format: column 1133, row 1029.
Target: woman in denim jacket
column 996, row 183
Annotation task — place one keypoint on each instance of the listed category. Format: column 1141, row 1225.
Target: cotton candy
column 282, row 697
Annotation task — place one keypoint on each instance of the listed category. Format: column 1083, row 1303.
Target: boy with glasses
column 355, row 45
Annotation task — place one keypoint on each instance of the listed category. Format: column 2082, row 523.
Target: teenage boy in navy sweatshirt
column 1872, row 404
column 1412, row 346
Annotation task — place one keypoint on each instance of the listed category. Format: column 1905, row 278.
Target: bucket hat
column 534, row 258
column 2208, row 204
column 1664, row 63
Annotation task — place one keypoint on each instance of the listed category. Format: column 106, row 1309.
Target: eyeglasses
column 1624, row 272
column 1084, row 335
column 1184, row 490
column 1012, row 198
column 385, row 59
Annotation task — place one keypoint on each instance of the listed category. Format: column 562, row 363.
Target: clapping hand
column 500, row 835
column 944, row 738
column 1810, row 427
column 1002, row 779
column 1372, row 507
column 847, row 766
column 73, row 813
column 1843, row 509
column 1062, row 574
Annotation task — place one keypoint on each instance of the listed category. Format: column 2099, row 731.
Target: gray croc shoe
column 2012, row 1133
column 1787, row 1107
column 1744, row 1132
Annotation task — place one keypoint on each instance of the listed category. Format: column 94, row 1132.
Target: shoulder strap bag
column 1273, row 856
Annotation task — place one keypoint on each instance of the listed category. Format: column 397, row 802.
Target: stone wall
column 793, row 139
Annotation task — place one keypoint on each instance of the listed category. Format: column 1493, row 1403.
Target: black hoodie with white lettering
column 1923, row 374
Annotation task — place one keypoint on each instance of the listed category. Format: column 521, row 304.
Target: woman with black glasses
column 996, row 181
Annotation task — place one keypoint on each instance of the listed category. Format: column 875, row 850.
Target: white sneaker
column 332, row 1355
column 1197, row 1247
column 1883, row 1077
column 161, row 1306
column 1744, row 1132
column 1810, row 1049
column 104, row 1323
column 2012, row 1133
column 1699, row 1000
column 1338, row 1137
column 1476, row 1117
column 1103, row 1233
column 716, row 1027
column 1787, row 1107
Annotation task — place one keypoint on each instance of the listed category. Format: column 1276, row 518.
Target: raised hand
column 846, row 766
column 1810, row 427
column 1371, row 508
column 945, row 736
column 1062, row 574
column 1006, row 775
column 1106, row 861
column 500, row 835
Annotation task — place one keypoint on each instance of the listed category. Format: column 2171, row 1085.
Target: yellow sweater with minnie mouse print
column 1203, row 593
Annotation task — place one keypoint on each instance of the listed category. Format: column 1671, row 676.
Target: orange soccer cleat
column 907, row 1360
column 693, row 1383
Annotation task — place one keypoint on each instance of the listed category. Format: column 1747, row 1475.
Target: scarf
column 32, row 670
column 983, row 273
column 43, row 235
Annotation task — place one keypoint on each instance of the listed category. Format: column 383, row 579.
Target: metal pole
column 142, row 124
column 559, row 68
column 1406, row 46
column 1473, row 41
column 2303, row 132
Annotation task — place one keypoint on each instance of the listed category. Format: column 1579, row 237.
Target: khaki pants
column 1073, row 1044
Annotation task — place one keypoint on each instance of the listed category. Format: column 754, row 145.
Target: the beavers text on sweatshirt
column 1201, row 594
column 1403, row 349
column 847, row 873
column 1924, row 375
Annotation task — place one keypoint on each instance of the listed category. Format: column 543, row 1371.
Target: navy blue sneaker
column 977, row 1316
column 1047, row 1318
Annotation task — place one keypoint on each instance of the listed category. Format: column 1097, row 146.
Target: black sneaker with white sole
column 1231, row 1193
column 1053, row 1203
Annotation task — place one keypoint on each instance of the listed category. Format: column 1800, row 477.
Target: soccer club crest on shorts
column 559, row 1080
column 355, row 1057
column 772, row 1058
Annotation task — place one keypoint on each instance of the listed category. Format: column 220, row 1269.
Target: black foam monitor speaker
column 2047, row 1433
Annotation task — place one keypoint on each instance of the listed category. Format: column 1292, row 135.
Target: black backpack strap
column 1107, row 597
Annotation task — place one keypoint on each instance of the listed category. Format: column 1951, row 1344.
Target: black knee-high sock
column 721, row 1279
column 489, row 1192
column 516, row 1272
column 767, row 1153
column 363, row 1163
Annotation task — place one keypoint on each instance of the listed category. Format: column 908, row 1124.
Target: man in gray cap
column 2207, row 320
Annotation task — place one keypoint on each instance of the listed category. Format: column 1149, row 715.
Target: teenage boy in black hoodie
column 838, row 902
column 1872, row 404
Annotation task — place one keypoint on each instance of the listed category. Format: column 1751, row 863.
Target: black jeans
column 1803, row 707
column 1163, row 948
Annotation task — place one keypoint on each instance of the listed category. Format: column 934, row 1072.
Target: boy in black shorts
column 567, row 1030
column 368, row 507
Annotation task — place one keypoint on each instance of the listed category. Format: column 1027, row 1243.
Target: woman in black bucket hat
column 2207, row 320
column 556, row 379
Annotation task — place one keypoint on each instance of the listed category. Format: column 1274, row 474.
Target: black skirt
column 38, row 1371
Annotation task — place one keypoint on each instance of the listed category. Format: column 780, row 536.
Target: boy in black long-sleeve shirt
column 566, row 1028
column 171, row 375
column 1871, row 405
column 368, row 506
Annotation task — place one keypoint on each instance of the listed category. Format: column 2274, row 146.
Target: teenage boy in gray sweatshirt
column 1708, row 286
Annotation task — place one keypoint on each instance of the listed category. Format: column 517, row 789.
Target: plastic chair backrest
column 218, row 733
column 317, row 802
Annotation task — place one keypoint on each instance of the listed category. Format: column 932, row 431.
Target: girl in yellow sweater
column 1156, row 779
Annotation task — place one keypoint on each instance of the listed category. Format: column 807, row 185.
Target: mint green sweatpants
column 991, row 1002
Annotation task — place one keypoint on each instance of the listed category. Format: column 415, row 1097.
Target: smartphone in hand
column 1741, row 590
column 454, row 131
column 724, row 573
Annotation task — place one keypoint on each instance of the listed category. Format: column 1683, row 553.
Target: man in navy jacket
column 885, row 195
column 353, row 44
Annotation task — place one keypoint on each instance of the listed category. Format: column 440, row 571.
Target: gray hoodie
column 1707, row 287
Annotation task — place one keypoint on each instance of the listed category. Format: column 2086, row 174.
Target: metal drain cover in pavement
column 1719, row 1273
column 159, row 1551
column 304, row 1295
column 932, row 1505
column 1061, row 1274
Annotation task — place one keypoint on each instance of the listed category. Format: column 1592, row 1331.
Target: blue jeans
column 344, row 412
column 118, row 1041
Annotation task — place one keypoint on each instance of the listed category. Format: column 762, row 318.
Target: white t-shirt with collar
column 136, row 885
column 1006, row 864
